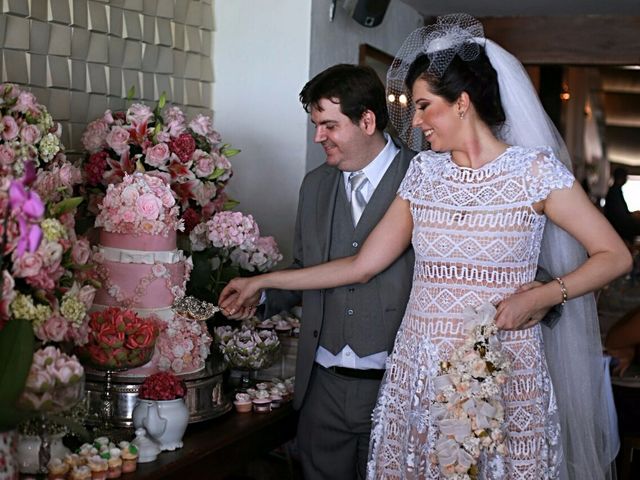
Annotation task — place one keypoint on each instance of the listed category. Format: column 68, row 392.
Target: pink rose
column 69, row 175
column 107, row 117
column 118, row 139
column 81, row 251
column 201, row 125
column 30, row 134
column 6, row 155
column 53, row 329
column 8, row 294
column 86, row 295
column 50, row 252
column 139, row 114
column 9, row 127
column 95, row 135
column 204, row 164
column 129, row 216
column 27, row 265
column 148, row 206
column 129, row 195
column 158, row 155
column 26, row 103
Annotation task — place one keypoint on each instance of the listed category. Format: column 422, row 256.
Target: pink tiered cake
column 145, row 271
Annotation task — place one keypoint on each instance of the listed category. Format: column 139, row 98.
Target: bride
column 475, row 208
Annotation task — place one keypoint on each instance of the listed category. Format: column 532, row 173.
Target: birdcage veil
column 451, row 35
column 573, row 347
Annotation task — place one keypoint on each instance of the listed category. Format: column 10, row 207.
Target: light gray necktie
column 357, row 181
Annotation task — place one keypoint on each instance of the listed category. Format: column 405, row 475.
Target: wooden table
column 222, row 446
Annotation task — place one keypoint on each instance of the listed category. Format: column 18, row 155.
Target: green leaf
column 16, row 353
column 230, row 204
column 216, row 173
column 229, row 152
column 131, row 92
column 162, row 101
column 66, row 205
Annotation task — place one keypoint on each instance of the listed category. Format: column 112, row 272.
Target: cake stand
column 205, row 397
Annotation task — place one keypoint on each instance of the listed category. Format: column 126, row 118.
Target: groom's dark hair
column 356, row 88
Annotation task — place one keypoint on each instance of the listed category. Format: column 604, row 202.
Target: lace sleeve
column 546, row 173
column 412, row 179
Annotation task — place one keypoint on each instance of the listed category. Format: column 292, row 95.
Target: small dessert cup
column 262, row 405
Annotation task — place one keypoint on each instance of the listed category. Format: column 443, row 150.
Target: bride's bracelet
column 563, row 289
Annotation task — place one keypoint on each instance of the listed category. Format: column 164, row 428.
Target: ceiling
column 620, row 86
column 487, row 8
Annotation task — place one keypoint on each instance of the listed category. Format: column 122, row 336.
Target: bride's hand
column 519, row 311
column 239, row 297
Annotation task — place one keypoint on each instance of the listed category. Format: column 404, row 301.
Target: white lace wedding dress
column 476, row 238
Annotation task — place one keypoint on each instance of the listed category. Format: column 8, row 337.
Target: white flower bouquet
column 469, row 409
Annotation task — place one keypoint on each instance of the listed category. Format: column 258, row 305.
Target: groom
column 347, row 332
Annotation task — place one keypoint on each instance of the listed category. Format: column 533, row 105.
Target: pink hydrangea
column 232, row 229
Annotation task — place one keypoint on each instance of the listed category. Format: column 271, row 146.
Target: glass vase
column 35, row 451
column 9, row 455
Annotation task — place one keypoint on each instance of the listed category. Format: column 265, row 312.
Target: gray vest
column 354, row 314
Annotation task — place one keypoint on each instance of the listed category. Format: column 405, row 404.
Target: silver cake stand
column 205, row 397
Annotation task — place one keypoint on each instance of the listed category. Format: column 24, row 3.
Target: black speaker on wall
column 367, row 12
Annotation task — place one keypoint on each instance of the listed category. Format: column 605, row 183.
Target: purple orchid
column 28, row 209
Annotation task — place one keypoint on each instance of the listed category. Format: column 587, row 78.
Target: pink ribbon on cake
column 142, row 241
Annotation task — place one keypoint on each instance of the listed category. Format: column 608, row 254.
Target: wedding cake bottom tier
column 205, row 397
column 139, row 285
column 181, row 348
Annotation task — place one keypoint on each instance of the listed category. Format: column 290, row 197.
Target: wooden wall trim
column 577, row 40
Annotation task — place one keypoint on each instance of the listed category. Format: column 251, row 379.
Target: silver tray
column 205, row 397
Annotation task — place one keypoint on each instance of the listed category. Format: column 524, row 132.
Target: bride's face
column 435, row 116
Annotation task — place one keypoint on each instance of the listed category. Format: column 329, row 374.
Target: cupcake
column 98, row 466
column 73, row 460
column 262, row 405
column 100, row 442
column 114, row 463
column 242, row 403
column 57, row 469
column 81, row 472
column 129, row 455
column 283, row 327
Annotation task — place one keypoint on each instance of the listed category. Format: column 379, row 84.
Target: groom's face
column 344, row 142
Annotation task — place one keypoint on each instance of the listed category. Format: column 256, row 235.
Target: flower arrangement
column 468, row 407
column 247, row 348
column 188, row 155
column 119, row 339
column 162, row 386
column 183, row 345
column 55, row 382
column 45, row 275
column 226, row 246
column 140, row 203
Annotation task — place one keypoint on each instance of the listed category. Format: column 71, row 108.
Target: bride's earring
column 461, row 114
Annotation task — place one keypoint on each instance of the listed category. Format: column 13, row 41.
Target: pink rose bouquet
column 189, row 155
column 45, row 275
column 162, row 386
column 119, row 339
column 140, row 203
column 226, row 246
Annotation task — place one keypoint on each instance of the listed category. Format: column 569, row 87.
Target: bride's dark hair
column 476, row 77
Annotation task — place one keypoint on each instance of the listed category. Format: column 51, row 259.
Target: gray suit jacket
column 311, row 247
